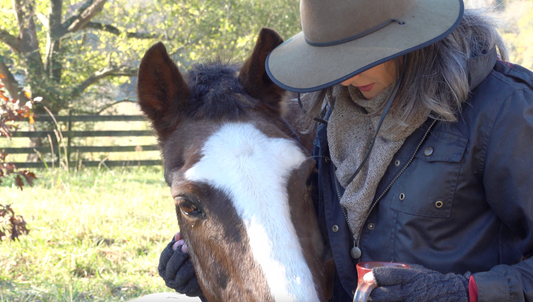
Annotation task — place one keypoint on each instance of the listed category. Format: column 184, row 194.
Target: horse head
column 238, row 175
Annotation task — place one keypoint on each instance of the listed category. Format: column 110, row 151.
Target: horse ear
column 253, row 74
column 161, row 90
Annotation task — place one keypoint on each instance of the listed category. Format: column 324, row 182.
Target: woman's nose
column 349, row 81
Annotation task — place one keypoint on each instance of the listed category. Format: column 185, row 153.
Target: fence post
column 69, row 136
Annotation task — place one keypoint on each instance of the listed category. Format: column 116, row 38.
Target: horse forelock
column 216, row 95
column 216, row 92
column 253, row 170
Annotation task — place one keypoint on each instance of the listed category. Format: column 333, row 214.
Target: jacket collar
column 480, row 67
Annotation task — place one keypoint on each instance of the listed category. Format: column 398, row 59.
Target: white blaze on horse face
column 253, row 170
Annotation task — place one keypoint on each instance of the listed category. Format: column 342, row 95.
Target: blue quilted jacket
column 457, row 197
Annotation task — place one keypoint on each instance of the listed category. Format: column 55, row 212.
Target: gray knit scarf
column 351, row 127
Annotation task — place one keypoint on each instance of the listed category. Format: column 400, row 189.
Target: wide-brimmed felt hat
column 342, row 38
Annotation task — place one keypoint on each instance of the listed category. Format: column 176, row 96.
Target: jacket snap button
column 439, row 204
column 327, row 160
column 428, row 151
column 355, row 252
column 402, row 196
column 371, row 226
column 397, row 163
column 335, row 228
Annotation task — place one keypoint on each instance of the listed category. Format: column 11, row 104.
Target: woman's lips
column 366, row 87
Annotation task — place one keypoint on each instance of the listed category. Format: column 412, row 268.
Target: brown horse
column 238, row 175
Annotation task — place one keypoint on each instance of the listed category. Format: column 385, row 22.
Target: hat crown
column 327, row 21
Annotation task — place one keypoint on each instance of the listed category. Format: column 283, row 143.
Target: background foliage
column 67, row 61
column 518, row 31
column 83, row 55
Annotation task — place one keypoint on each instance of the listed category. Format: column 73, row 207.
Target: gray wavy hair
column 435, row 77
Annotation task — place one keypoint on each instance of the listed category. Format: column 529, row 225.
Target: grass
column 95, row 235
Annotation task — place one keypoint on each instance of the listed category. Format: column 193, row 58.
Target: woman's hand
column 418, row 284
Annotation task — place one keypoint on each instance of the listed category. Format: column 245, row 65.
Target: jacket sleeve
column 508, row 181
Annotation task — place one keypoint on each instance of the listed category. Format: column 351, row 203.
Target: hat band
column 357, row 36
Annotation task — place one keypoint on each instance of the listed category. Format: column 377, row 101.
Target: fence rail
column 69, row 134
column 91, row 118
column 84, row 133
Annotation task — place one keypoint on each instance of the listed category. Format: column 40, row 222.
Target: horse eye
column 189, row 209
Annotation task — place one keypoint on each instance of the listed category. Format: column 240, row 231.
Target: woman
column 423, row 149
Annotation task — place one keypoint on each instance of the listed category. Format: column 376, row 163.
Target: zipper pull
column 355, row 252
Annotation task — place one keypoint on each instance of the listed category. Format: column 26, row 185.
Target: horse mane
column 216, row 92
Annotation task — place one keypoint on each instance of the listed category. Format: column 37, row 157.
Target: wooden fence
column 66, row 136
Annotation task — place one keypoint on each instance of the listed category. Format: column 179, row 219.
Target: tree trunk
column 34, row 142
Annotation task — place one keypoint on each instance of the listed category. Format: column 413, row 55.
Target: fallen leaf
column 18, row 182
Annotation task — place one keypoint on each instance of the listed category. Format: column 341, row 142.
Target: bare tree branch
column 112, row 29
column 115, row 103
column 84, row 14
column 105, row 72
column 11, row 83
column 10, row 40
column 43, row 19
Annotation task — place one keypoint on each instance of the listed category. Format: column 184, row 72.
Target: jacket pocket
column 427, row 187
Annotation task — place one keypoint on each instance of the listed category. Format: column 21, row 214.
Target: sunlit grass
column 95, row 235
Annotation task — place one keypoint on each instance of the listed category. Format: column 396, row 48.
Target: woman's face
column 374, row 80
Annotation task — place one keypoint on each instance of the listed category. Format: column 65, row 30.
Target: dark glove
column 176, row 269
column 418, row 284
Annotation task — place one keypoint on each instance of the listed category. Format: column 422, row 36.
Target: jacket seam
column 491, row 132
column 394, row 236
column 497, row 76
column 510, row 285
column 500, row 242
column 453, row 190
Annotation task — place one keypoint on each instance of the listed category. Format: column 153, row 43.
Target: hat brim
column 297, row 66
